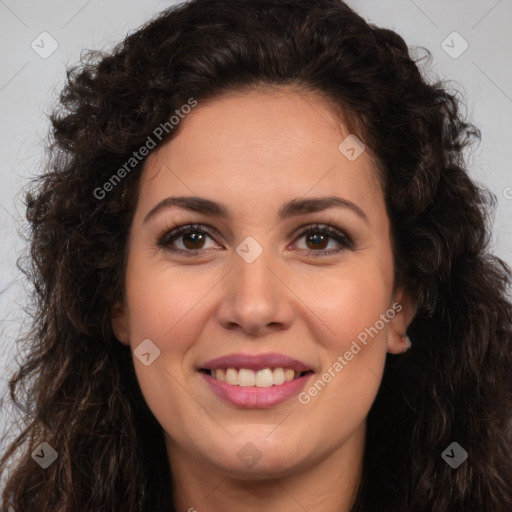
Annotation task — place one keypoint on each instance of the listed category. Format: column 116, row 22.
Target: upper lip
column 256, row 362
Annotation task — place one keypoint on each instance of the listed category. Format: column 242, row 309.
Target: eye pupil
column 194, row 237
column 317, row 238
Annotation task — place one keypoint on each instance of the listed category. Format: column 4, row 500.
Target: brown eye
column 317, row 241
column 192, row 239
column 318, row 237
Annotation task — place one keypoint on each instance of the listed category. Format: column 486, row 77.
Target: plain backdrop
column 470, row 42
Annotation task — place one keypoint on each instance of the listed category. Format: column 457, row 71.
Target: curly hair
column 77, row 386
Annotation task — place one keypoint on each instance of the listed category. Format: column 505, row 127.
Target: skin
column 254, row 151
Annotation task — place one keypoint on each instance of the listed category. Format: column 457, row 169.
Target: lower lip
column 254, row 397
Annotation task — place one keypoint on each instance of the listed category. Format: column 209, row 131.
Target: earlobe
column 407, row 342
column 119, row 323
column 398, row 340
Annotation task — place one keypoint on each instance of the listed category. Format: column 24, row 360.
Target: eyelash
column 169, row 234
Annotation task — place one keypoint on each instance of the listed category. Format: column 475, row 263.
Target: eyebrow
column 295, row 207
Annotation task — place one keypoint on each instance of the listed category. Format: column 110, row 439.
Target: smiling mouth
column 264, row 378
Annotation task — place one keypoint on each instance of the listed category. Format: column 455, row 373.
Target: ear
column 119, row 319
column 405, row 308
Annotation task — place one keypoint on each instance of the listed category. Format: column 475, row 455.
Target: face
column 267, row 281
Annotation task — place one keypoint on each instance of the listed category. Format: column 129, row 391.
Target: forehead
column 258, row 146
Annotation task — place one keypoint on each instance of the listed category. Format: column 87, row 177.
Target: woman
column 262, row 279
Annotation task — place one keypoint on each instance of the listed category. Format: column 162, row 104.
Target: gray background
column 29, row 85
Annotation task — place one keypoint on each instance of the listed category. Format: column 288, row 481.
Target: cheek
column 352, row 299
column 163, row 306
column 162, row 303
column 351, row 305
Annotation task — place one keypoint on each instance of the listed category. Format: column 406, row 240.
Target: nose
column 255, row 297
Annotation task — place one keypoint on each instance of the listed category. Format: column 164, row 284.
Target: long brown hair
column 77, row 386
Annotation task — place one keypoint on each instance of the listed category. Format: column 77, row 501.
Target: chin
column 252, row 463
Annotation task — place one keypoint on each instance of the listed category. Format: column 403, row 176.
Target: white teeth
column 278, row 376
column 263, row 378
column 288, row 375
column 246, row 377
column 232, row 376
